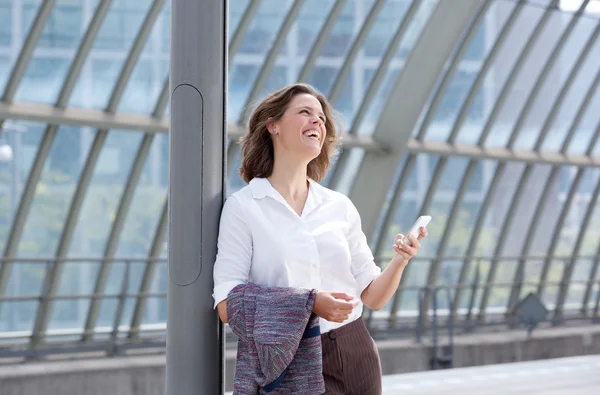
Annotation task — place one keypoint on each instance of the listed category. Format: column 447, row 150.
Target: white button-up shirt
column 264, row 241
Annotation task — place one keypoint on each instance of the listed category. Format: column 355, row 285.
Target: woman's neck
column 289, row 179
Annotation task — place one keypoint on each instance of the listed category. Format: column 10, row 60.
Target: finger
column 409, row 252
column 342, row 295
column 399, row 238
column 423, row 233
column 344, row 306
column 414, row 242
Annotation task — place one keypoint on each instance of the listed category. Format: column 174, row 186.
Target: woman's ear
column 272, row 126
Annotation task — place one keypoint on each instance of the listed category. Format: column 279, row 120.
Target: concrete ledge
column 144, row 375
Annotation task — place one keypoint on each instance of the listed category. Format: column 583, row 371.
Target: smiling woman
column 285, row 231
column 297, row 108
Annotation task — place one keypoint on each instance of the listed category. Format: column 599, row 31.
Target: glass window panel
column 451, row 104
column 278, row 78
column 310, row 21
column 18, row 316
column 165, row 32
column 345, row 103
column 575, row 214
column 54, row 192
column 505, row 272
column 64, row 27
column 4, row 71
column 442, row 199
column 23, row 139
column 384, row 28
column 104, row 74
column 472, row 280
column 104, row 193
column 143, row 88
column 241, row 79
column 415, row 28
column 5, row 22
column 498, row 208
column 553, row 84
column 155, row 311
column 416, row 277
column 25, row 280
column 477, row 48
column 577, row 287
column 121, row 24
column 264, row 27
column 348, row 175
column 322, row 77
column 43, row 79
column 523, row 216
column 581, row 140
column 146, row 206
column 148, row 77
column 376, row 106
column 555, row 274
column 342, row 33
column 572, row 103
column 448, row 275
column 591, row 238
column 102, row 68
column 236, row 11
column 109, row 305
column 410, row 201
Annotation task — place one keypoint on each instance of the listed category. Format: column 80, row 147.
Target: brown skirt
column 351, row 362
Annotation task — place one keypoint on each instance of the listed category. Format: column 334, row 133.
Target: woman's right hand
column 334, row 306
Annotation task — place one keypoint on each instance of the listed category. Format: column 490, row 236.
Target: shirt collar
column 261, row 187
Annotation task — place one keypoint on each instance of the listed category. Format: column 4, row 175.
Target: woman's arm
column 234, row 254
column 382, row 288
column 377, row 287
column 222, row 310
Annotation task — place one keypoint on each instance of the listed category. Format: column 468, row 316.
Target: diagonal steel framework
column 400, row 115
column 426, row 74
column 52, row 278
column 410, row 161
column 462, row 115
column 382, row 69
column 48, row 137
column 518, row 194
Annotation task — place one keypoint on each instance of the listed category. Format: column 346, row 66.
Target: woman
column 284, row 229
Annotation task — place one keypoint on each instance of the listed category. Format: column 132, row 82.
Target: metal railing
column 411, row 318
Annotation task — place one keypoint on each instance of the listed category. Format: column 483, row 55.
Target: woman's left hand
column 410, row 248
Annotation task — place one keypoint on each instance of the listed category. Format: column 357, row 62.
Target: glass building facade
column 501, row 147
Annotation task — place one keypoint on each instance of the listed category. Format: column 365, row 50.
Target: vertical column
column 196, row 173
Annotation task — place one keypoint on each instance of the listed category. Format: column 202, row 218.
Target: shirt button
column 332, row 335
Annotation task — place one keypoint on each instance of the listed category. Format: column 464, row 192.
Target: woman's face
column 301, row 130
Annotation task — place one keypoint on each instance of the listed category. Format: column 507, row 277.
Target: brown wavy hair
column 257, row 146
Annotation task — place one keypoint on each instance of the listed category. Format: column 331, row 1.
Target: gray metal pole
column 196, row 173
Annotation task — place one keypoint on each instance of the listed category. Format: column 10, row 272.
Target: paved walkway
column 565, row 376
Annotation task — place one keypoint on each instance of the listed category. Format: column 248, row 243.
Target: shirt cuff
column 364, row 279
column 221, row 291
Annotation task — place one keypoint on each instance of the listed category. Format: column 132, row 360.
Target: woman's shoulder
column 238, row 200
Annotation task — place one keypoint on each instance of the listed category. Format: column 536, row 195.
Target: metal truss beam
column 54, row 273
column 419, row 76
column 382, row 69
column 35, row 173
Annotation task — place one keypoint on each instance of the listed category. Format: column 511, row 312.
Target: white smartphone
column 422, row 221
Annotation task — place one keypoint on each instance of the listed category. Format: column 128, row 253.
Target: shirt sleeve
column 234, row 251
column 363, row 265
